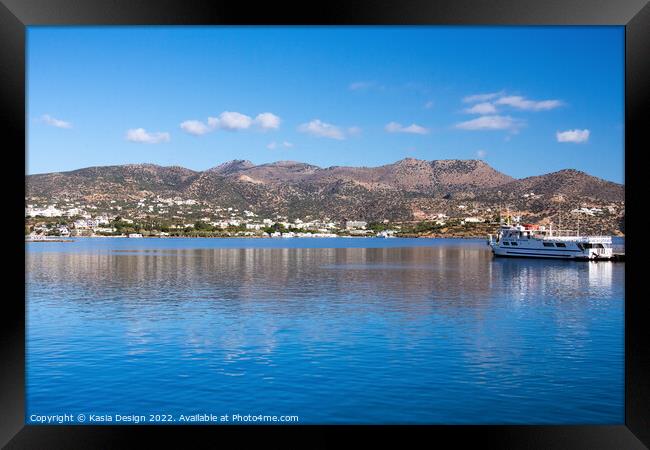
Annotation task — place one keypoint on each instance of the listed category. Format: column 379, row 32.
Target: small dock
column 49, row 240
column 618, row 252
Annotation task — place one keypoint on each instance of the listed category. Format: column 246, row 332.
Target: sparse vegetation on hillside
column 408, row 191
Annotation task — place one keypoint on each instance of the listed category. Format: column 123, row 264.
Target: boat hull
column 548, row 254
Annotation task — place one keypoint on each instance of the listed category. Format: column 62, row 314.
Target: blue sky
column 527, row 100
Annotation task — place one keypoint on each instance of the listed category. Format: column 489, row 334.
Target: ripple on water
column 408, row 331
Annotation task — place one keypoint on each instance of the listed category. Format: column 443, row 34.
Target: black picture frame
column 15, row 15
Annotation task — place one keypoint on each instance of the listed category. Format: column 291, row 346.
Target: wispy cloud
column 481, row 97
column 480, row 154
column 141, row 135
column 273, row 145
column 494, row 122
column 52, row 121
column 364, row 85
column 321, row 129
column 232, row 121
column 485, row 103
column 429, row 104
column 354, row 131
column 482, row 108
column 519, row 102
column 394, row 127
column 575, row 136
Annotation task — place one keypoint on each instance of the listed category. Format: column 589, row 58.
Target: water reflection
column 364, row 328
column 407, row 279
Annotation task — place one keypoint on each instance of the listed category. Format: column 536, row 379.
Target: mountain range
column 409, row 189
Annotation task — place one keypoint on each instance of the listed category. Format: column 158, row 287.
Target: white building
column 104, row 230
column 86, row 223
column 50, row 211
column 351, row 224
column 73, row 212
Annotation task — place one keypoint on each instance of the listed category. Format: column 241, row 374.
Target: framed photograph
column 400, row 220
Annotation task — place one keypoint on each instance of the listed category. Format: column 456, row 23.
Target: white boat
column 135, row 235
column 532, row 241
column 385, row 234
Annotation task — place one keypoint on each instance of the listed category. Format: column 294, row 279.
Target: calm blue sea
column 351, row 331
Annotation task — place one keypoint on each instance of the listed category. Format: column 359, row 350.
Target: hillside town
column 155, row 216
column 163, row 217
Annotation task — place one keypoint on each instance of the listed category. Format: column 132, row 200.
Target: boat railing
column 592, row 239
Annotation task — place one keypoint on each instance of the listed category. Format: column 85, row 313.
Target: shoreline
column 72, row 238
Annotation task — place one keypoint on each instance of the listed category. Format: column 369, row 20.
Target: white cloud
column 394, row 127
column 321, row 129
column 519, row 102
column 480, row 154
column 231, row 121
column 143, row 136
column 481, row 97
column 49, row 120
column 273, row 145
column 491, row 123
column 482, row 108
column 267, row 121
column 486, row 102
column 576, row 136
column 195, row 127
column 428, row 105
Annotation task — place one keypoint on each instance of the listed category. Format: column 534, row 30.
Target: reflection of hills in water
column 401, row 278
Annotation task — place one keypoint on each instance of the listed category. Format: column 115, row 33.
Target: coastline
column 72, row 238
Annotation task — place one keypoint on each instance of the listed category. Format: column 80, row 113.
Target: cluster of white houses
column 591, row 211
column 84, row 223
column 85, row 219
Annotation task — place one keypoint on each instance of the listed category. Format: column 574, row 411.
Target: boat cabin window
column 590, row 245
column 548, row 244
column 506, row 243
column 514, row 243
column 560, row 244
